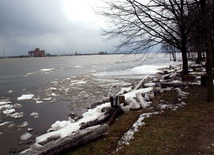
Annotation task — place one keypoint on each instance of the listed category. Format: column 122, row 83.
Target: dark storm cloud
column 27, row 24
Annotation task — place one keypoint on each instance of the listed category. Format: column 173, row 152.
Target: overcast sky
column 57, row 26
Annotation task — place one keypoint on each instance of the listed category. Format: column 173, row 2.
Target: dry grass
column 189, row 130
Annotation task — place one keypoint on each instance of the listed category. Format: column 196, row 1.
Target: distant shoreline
column 26, row 56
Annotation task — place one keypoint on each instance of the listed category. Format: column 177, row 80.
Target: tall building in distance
column 36, row 53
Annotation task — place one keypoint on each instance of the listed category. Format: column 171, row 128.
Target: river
column 58, row 86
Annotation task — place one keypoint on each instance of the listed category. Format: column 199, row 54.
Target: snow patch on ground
column 64, row 128
column 129, row 135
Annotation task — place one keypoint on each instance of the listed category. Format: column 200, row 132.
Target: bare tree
column 143, row 24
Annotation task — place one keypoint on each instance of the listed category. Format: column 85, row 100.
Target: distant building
column 36, row 53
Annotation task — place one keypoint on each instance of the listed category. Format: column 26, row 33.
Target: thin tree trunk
column 184, row 60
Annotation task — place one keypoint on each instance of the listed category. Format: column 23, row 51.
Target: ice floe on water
column 8, row 111
column 5, row 123
column 26, row 136
column 17, row 115
column 26, row 97
column 6, row 106
column 17, row 105
column 44, row 70
column 35, row 114
column 23, row 125
column 4, row 102
column 10, row 91
column 47, row 69
column 38, row 100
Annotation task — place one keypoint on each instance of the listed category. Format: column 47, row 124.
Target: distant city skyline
column 58, row 27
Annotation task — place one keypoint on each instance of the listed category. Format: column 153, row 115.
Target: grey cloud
column 25, row 25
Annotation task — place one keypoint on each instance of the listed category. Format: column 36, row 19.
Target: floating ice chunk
column 11, row 125
column 47, row 69
column 34, row 114
column 8, row 111
column 29, row 129
column 47, row 99
column 7, row 106
column 17, row 105
column 24, row 124
column 4, row 102
column 39, row 102
column 76, row 82
column 10, row 91
column 17, row 115
column 53, row 88
column 53, row 94
column 26, row 136
column 26, row 97
column 78, row 66
column 4, row 123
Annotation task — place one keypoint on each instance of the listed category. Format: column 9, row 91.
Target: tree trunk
column 199, row 59
column 208, row 44
column 184, row 60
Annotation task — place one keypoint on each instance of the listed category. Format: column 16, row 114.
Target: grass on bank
column 189, row 130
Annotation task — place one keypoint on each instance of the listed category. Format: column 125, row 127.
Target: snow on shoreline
column 129, row 135
column 61, row 129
